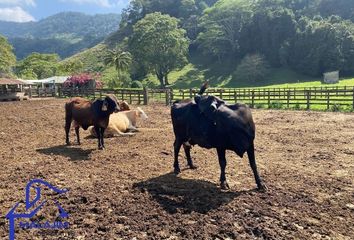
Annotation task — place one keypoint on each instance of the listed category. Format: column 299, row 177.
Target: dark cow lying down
column 210, row 123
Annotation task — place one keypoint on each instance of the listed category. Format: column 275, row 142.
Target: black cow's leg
column 187, row 150
column 177, row 146
column 252, row 160
column 77, row 131
column 68, row 120
column 222, row 161
column 98, row 133
column 102, row 137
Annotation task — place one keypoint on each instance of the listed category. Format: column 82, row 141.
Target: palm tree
column 118, row 58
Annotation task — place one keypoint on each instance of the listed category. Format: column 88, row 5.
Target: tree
column 342, row 8
column 38, row 66
column 159, row 44
column 7, row 57
column 70, row 67
column 120, row 59
column 252, row 68
column 269, row 31
column 223, row 25
column 322, row 46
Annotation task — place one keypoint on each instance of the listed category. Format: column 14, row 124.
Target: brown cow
column 87, row 113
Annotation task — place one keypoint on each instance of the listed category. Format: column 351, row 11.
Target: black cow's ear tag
column 104, row 106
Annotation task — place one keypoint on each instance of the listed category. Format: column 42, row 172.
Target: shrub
column 253, row 68
column 336, row 108
column 275, row 105
column 84, row 80
column 297, row 106
column 136, row 84
column 258, row 105
column 124, row 80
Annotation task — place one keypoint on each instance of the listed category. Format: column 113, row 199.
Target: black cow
column 210, row 123
column 87, row 113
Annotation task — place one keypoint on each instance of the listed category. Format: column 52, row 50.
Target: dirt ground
column 128, row 191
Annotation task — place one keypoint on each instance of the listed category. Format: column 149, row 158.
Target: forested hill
column 65, row 33
column 231, row 43
column 242, row 42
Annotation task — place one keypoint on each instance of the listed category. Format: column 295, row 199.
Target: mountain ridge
column 65, row 33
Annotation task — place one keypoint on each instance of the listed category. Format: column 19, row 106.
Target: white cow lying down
column 122, row 122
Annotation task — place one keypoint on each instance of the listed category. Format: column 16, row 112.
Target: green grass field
column 192, row 77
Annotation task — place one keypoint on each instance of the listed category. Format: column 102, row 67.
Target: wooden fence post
column 307, row 99
column 146, row 95
column 30, row 91
column 353, row 97
column 252, row 104
column 190, row 93
column 327, row 100
column 288, row 99
column 268, row 97
column 168, row 97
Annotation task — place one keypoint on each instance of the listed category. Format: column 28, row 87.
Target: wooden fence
column 307, row 98
column 318, row 97
column 39, row 92
column 132, row 96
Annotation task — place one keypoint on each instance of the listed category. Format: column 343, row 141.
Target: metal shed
column 12, row 89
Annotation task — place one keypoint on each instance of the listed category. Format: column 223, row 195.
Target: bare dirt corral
column 128, row 191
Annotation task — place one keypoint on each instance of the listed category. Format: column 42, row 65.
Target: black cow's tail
column 203, row 88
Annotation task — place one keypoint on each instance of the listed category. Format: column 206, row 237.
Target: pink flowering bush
column 83, row 80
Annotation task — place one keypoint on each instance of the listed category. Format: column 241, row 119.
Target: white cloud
column 121, row 3
column 18, row 2
column 101, row 3
column 15, row 14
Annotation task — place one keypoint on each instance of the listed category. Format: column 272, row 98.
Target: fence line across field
column 323, row 96
column 289, row 97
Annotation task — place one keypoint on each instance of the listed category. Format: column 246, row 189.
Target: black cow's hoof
column 101, row 148
column 68, row 144
column 262, row 187
column 193, row 166
column 177, row 171
column 224, row 186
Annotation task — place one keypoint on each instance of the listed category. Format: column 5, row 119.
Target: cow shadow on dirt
column 176, row 194
column 74, row 153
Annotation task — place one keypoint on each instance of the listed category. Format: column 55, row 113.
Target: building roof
column 55, row 79
column 8, row 81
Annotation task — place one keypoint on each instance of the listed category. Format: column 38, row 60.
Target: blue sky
column 34, row 10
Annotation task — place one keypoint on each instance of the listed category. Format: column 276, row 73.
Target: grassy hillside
column 194, row 74
column 91, row 58
column 191, row 76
